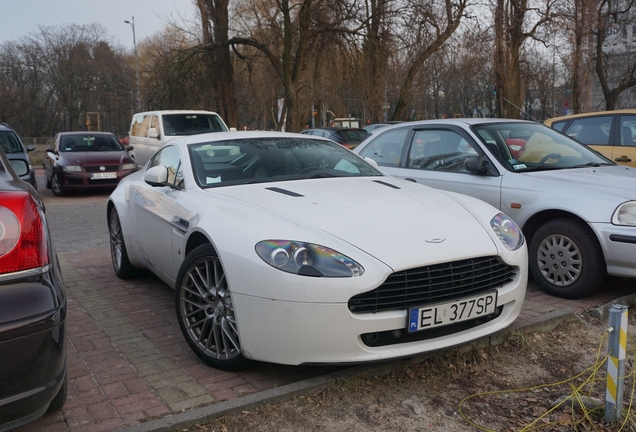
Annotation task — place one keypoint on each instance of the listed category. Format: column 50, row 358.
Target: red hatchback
column 86, row 160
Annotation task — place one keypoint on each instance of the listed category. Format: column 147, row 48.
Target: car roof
column 469, row 121
column 237, row 135
column 86, row 133
column 162, row 112
column 589, row 114
column 6, row 127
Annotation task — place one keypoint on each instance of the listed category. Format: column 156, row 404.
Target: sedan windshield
column 256, row 160
column 530, row 147
column 89, row 143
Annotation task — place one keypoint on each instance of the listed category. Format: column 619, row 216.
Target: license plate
column 103, row 175
column 426, row 317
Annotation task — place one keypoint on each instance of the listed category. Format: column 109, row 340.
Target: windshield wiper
column 590, row 164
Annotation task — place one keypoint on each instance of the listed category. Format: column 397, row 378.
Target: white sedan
column 291, row 249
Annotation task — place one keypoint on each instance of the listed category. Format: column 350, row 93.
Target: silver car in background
column 576, row 207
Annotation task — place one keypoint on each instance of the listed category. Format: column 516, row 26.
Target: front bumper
column 293, row 332
column 83, row 180
column 619, row 248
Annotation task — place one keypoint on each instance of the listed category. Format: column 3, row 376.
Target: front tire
column 205, row 310
column 118, row 254
column 56, row 186
column 566, row 259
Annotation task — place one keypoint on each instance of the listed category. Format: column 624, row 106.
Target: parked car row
column 576, row 207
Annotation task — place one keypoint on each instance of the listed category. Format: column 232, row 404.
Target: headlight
column 128, row 166
column 72, row 168
column 625, row 214
column 307, row 259
column 507, row 231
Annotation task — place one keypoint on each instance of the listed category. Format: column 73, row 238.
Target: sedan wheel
column 205, row 310
column 119, row 256
column 566, row 260
column 56, row 186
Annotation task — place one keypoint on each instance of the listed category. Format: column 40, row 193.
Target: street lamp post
column 132, row 24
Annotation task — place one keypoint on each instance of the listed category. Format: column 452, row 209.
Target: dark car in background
column 348, row 137
column 16, row 152
column 32, row 306
column 86, row 160
column 371, row 128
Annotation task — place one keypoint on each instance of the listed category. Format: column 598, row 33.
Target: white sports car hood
column 400, row 224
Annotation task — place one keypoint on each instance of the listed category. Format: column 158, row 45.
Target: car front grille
column 96, row 168
column 434, row 284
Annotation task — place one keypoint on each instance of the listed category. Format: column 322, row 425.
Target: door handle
column 623, row 159
column 410, row 179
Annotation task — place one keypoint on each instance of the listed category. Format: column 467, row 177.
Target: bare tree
column 515, row 21
column 616, row 70
column 218, row 62
column 426, row 27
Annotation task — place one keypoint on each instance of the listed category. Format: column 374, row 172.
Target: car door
column 593, row 131
column 434, row 156
column 624, row 152
column 154, row 210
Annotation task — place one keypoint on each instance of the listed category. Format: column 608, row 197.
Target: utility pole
column 136, row 95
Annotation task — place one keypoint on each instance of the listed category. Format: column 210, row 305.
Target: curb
column 186, row 420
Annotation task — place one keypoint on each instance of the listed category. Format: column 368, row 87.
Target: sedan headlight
column 72, row 168
column 625, row 214
column 507, row 231
column 128, row 166
column 307, row 259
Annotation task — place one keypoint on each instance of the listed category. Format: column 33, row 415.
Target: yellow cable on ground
column 573, row 397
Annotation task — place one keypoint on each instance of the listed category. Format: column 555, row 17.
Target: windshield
column 191, row 124
column 257, row 160
column 531, row 146
column 9, row 142
column 89, row 143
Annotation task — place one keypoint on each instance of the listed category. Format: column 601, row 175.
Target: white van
column 150, row 130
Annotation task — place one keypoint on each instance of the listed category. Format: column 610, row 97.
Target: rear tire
column 566, row 259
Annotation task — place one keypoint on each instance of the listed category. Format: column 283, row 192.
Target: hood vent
column 284, row 191
column 387, row 184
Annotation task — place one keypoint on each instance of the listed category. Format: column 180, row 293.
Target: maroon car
column 86, row 160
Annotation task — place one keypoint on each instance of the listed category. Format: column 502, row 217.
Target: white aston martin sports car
column 291, row 249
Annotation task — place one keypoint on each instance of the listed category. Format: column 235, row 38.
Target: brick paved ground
column 127, row 360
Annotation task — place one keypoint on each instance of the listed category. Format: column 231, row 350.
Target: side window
column 559, row 125
column 136, row 125
column 591, row 130
column 154, row 123
column 143, row 126
column 170, row 158
column 386, row 148
column 439, row 150
column 628, row 130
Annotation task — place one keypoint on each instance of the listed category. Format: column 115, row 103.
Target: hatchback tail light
column 23, row 240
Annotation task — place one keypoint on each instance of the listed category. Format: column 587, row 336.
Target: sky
column 22, row 17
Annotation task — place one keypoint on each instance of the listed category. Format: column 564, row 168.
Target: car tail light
column 23, row 240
